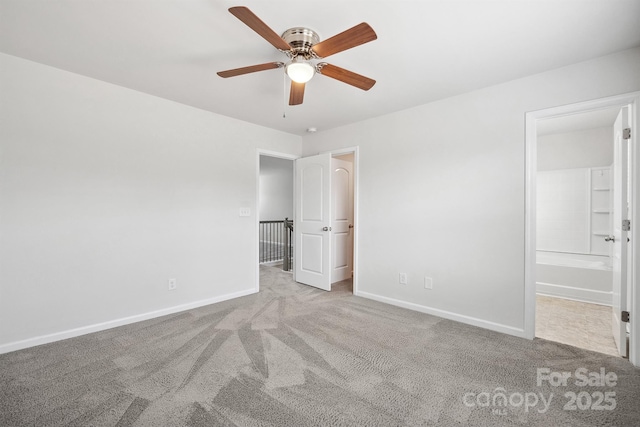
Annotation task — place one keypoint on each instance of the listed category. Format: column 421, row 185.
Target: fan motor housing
column 301, row 39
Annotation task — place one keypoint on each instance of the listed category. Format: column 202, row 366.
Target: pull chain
column 284, row 95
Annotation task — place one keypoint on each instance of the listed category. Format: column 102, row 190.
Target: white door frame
column 531, row 146
column 293, row 157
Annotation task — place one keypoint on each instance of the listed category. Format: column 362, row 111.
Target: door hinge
column 626, row 225
column 625, row 316
column 626, row 133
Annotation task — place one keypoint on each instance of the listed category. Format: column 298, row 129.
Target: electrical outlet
column 245, row 212
column 403, row 278
column 173, row 284
column 428, row 283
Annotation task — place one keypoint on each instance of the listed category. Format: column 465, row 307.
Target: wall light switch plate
column 402, row 278
column 428, row 283
column 245, row 211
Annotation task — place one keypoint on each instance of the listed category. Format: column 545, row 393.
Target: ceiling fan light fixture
column 299, row 70
column 303, row 48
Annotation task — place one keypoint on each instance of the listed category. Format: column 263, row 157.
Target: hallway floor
column 580, row 324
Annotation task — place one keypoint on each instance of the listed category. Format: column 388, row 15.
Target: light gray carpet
column 296, row 356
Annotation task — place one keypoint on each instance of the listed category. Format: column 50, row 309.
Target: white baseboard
column 272, row 263
column 71, row 333
column 575, row 294
column 473, row 321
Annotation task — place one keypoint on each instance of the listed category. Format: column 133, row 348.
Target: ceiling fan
column 303, row 45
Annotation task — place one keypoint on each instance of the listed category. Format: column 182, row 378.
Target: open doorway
column 574, row 274
column 280, row 212
column 275, row 212
column 342, row 221
column 623, row 183
column 275, row 207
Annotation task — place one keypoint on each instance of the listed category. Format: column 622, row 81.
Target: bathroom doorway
column 587, row 229
column 574, row 223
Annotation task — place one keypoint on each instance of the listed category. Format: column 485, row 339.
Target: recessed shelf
column 601, row 209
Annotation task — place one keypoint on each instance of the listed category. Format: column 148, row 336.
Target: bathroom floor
column 575, row 323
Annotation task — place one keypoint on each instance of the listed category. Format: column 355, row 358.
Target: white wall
column 276, row 188
column 442, row 191
column 563, row 193
column 579, row 149
column 563, row 211
column 105, row 193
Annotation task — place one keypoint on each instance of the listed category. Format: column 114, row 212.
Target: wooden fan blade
column 256, row 24
column 355, row 36
column 346, row 76
column 296, row 95
column 250, row 69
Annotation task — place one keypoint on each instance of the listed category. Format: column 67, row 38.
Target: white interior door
column 619, row 241
column 312, row 227
column 341, row 220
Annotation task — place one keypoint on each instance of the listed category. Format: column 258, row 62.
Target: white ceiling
column 426, row 50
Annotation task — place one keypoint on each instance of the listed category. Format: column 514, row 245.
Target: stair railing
column 276, row 243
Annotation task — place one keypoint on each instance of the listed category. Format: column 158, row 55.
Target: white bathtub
column 596, row 262
column 579, row 277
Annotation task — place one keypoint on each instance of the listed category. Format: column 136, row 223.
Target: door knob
column 350, row 225
column 326, row 228
column 610, row 239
